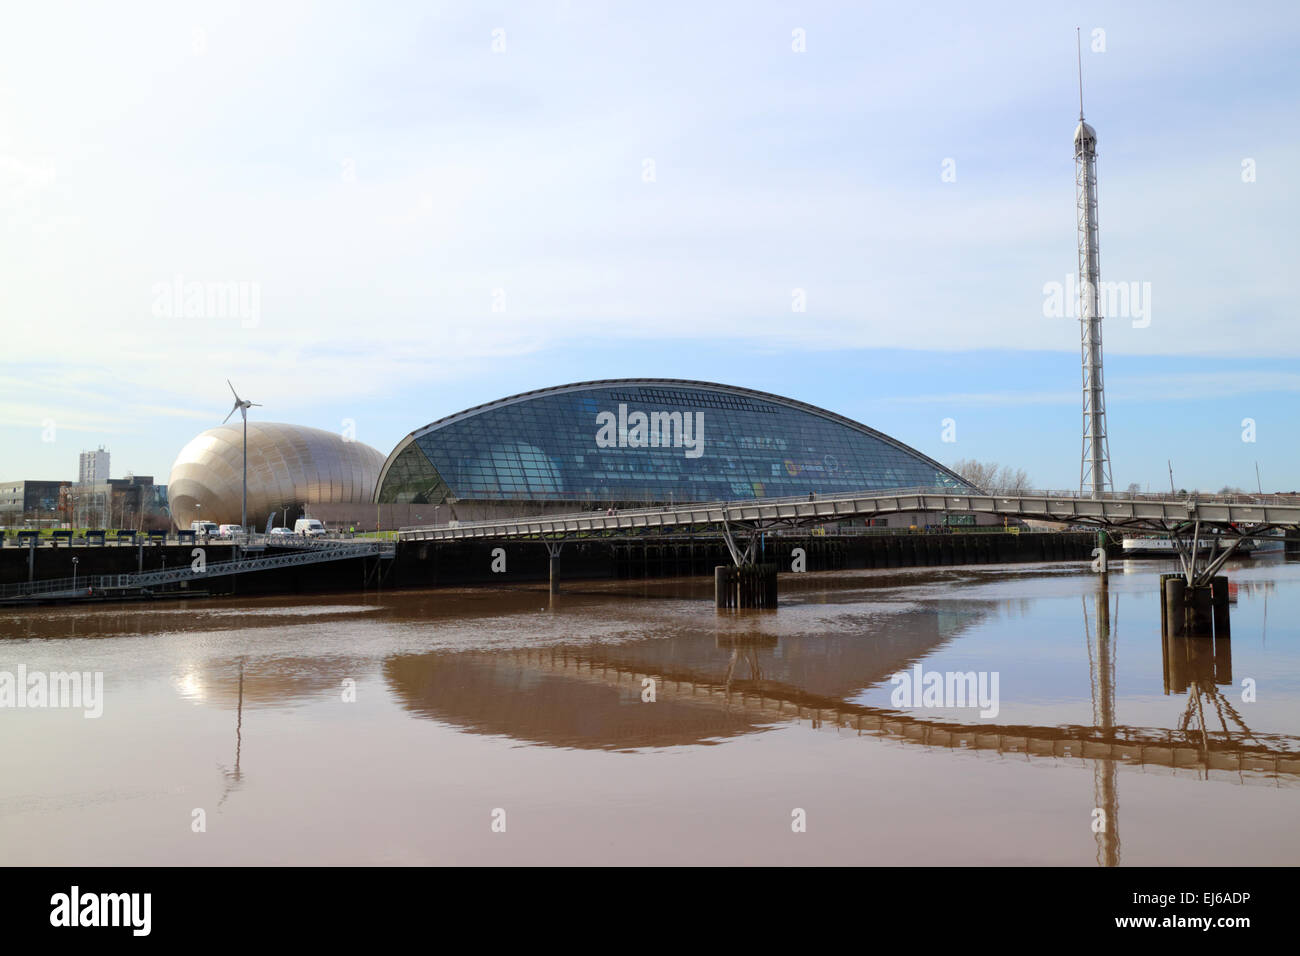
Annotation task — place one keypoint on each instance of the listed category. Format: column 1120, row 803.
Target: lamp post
column 74, row 573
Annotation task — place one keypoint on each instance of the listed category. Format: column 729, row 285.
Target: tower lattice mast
column 1094, row 470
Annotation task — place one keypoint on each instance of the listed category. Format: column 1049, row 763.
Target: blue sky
column 421, row 223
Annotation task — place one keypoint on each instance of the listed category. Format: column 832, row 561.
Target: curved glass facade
column 647, row 441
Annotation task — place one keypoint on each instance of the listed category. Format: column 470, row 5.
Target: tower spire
column 1078, row 50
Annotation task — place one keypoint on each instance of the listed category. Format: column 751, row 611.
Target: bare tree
column 991, row 477
column 1012, row 480
column 977, row 473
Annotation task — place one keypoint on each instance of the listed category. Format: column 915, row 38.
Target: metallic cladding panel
column 288, row 466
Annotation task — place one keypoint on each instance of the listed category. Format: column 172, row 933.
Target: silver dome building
column 289, row 467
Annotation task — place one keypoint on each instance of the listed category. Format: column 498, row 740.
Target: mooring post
column 721, row 575
column 1164, row 607
column 1175, row 610
column 31, row 560
column 1200, row 616
column 1222, row 625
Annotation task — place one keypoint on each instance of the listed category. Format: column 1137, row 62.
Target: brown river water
column 632, row 723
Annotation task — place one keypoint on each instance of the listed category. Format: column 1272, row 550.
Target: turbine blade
column 232, row 391
column 228, row 414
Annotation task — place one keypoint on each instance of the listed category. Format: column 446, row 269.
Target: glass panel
column 628, row 444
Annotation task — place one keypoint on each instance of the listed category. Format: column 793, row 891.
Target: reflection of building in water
column 1239, row 586
column 591, row 696
column 264, row 683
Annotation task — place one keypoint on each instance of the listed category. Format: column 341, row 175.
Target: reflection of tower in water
column 235, row 776
column 1101, row 671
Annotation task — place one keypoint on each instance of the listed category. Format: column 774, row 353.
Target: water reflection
column 464, row 672
column 591, row 696
column 1101, row 675
column 234, row 777
column 711, row 687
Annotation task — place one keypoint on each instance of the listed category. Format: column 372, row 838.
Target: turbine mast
column 1094, row 470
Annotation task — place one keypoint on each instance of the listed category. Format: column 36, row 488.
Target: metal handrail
column 340, row 548
column 878, row 493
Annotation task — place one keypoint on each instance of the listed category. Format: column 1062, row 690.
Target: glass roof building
column 626, row 442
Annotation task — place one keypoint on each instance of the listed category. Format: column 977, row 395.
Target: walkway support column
column 553, row 549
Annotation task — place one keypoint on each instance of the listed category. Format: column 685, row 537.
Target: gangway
column 293, row 553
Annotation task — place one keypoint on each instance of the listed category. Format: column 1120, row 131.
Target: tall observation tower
column 1094, row 472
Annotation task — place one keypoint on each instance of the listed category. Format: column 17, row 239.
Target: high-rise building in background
column 94, row 466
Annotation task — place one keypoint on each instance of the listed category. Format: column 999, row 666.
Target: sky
column 370, row 216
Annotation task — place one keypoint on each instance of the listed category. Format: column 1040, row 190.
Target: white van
column 309, row 527
column 205, row 527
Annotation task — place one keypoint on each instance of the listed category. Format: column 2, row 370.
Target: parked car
column 205, row 527
column 230, row 530
column 309, row 527
column 282, row 532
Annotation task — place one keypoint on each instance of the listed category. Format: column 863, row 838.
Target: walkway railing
column 1108, row 510
column 316, row 552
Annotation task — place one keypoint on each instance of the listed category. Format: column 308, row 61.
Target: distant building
column 94, row 466
column 131, row 502
column 23, row 501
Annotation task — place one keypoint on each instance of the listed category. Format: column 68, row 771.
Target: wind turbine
column 242, row 406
